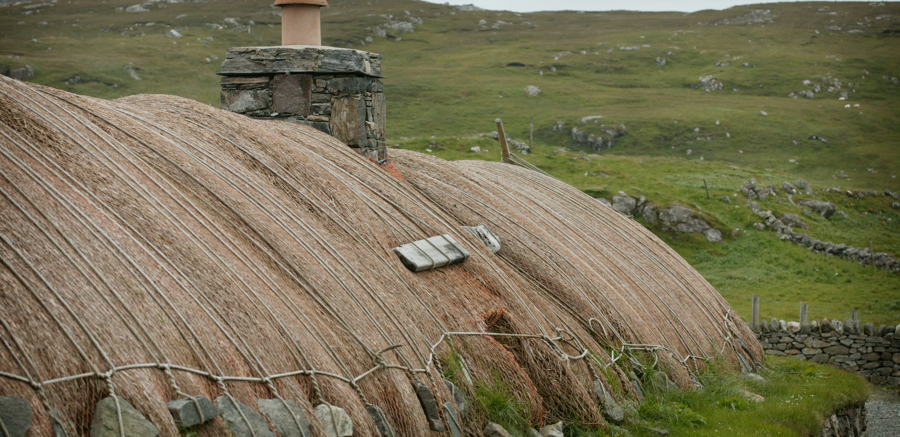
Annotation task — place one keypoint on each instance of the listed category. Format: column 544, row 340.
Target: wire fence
column 796, row 307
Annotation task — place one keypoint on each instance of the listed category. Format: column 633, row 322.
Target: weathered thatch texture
column 153, row 229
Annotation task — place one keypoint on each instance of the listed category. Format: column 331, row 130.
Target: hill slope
column 456, row 71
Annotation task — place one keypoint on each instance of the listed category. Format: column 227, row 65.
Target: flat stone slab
column 56, row 426
column 231, row 410
column 452, row 420
column 185, row 413
column 611, row 409
column 459, row 398
column 299, row 59
column 431, row 253
column 106, row 420
column 287, row 417
column 15, row 414
column 486, row 236
column 337, row 422
column 384, row 427
column 429, row 406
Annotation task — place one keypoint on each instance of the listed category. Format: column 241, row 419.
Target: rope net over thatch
column 156, row 248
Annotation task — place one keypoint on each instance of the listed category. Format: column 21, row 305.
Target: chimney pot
column 301, row 22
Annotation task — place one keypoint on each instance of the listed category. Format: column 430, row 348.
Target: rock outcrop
column 681, row 219
column 582, row 138
column 824, row 209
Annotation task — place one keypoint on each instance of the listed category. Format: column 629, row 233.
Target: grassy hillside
column 451, row 77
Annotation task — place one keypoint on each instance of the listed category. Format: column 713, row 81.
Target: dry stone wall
column 872, row 353
column 849, row 422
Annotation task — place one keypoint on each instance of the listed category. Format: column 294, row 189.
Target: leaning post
column 754, row 317
column 504, row 148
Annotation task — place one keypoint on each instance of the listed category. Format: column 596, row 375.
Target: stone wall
column 873, row 354
column 849, row 422
column 334, row 90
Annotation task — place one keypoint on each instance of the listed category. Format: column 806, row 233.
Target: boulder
column 637, row 388
column 788, row 188
column 748, row 187
column 106, row 420
column 453, row 423
column 172, row 33
column 386, row 430
column 624, row 204
column 459, row 398
column 869, row 329
column 713, row 235
column 287, row 417
column 15, row 415
column 825, row 209
column 429, row 406
column 679, row 219
column 726, row 199
column 759, row 226
column 774, row 326
column 186, row 414
column 555, row 430
column 495, row 430
column 611, row 409
column 56, row 424
column 793, row 327
column 793, row 220
column 23, row 73
column 336, row 421
column 650, row 214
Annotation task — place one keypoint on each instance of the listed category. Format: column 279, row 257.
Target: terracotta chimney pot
column 301, row 22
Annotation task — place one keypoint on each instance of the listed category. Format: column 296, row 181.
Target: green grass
column 447, row 82
column 797, row 397
column 499, row 406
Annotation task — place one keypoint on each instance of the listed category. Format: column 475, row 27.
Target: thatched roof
column 154, row 230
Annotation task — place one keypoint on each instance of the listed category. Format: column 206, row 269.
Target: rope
column 202, row 152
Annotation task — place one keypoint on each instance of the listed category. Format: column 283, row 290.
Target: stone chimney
column 335, row 90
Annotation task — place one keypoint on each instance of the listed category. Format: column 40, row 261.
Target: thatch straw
column 156, row 230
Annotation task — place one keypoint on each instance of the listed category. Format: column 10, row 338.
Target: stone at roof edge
column 242, row 61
